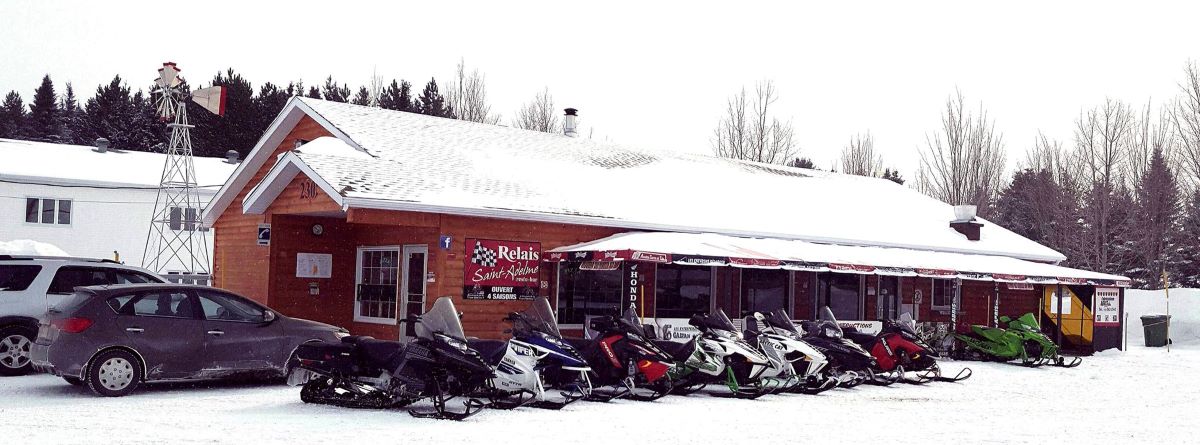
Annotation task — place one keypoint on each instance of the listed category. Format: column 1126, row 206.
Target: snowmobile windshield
column 716, row 321
column 1026, row 322
column 441, row 318
column 631, row 320
column 539, row 317
column 779, row 319
column 829, row 324
column 908, row 325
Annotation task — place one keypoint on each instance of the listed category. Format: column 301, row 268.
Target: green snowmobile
column 1022, row 340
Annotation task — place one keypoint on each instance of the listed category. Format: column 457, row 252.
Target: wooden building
column 357, row 216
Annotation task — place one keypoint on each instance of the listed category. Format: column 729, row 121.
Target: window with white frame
column 184, row 218
column 377, row 284
column 943, row 293
column 48, row 211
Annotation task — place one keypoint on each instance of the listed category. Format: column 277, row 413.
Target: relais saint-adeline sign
column 500, row 270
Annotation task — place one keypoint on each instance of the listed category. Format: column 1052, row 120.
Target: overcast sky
column 651, row 74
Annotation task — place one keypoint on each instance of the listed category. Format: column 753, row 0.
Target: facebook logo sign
column 444, row 241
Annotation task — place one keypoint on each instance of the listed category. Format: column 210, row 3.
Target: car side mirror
column 268, row 316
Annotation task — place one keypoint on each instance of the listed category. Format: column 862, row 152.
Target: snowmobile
column 362, row 372
column 775, row 331
column 849, row 363
column 535, row 359
column 1022, row 340
column 719, row 354
column 899, row 349
column 623, row 360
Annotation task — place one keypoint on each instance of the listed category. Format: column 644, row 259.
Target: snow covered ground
column 1144, row 395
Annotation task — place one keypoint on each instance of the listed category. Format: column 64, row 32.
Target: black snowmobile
column 848, row 362
column 623, row 360
column 362, row 372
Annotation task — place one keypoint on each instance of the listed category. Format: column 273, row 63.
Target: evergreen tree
column 71, row 123
column 802, row 163
column 267, row 105
column 128, row 121
column 43, row 122
column 433, row 103
column 146, row 131
column 1187, row 269
column 397, row 96
column 362, row 97
column 12, row 116
column 238, row 130
column 1153, row 230
column 332, row 92
column 1107, row 250
column 893, row 175
column 313, row 92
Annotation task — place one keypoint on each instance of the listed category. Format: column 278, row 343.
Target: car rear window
column 17, row 277
column 75, row 301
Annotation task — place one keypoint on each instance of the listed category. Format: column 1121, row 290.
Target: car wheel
column 74, row 381
column 114, row 373
column 15, row 344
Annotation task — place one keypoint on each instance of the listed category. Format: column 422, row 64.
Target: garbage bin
column 1155, row 328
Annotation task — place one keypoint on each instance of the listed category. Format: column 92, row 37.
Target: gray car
column 113, row 338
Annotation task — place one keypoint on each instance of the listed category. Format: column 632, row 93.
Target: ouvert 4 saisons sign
column 500, row 270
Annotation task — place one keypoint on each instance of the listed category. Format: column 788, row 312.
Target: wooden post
column 1167, row 293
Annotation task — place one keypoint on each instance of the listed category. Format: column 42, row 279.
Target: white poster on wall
column 1107, row 306
column 314, row 265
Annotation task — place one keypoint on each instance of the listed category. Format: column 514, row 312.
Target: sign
column 676, row 329
column 264, row 234
column 1019, row 286
column 918, row 296
column 500, row 270
column 308, row 189
column 632, row 290
column 444, row 242
column 1107, row 307
column 863, row 326
column 314, row 265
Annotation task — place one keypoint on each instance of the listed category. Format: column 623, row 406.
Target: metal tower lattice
column 175, row 242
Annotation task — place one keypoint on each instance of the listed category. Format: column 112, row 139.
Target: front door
column 888, row 298
column 165, row 330
column 237, row 336
column 413, row 270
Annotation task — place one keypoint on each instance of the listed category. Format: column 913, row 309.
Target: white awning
column 708, row 249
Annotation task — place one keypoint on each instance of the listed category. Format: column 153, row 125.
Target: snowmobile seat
column 379, row 353
column 678, row 351
column 492, row 351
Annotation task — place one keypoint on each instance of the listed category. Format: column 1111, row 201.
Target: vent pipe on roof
column 964, row 222
column 569, row 128
column 231, row 156
column 101, row 145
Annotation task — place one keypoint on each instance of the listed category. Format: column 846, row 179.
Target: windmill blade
column 211, row 98
column 168, row 76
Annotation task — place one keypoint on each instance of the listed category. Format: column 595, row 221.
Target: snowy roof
column 423, row 163
column 716, row 249
column 65, row 164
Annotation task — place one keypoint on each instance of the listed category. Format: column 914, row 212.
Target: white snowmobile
column 776, row 335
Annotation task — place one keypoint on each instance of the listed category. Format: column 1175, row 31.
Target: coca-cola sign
column 500, row 270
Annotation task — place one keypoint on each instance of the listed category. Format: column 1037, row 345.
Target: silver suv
column 29, row 285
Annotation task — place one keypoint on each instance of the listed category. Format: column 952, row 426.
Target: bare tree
column 1101, row 141
column 539, row 114
column 859, row 157
column 376, row 88
column 965, row 162
column 467, row 95
column 1185, row 116
column 1149, row 133
column 749, row 131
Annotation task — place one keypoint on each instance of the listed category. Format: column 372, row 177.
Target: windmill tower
column 175, row 242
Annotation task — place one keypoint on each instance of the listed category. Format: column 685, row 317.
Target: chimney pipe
column 964, row 222
column 231, row 156
column 569, row 128
column 101, row 145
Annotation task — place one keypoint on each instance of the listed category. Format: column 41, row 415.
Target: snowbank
column 1185, row 313
column 30, row 247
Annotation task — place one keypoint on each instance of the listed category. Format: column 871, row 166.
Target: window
column 127, row 277
column 682, row 291
column 15, row 277
column 183, row 218
column 842, row 292
column 378, row 287
column 888, row 299
column 943, row 294
column 153, row 304
column 221, row 307
column 48, row 211
column 583, row 292
column 68, row 277
column 764, row 290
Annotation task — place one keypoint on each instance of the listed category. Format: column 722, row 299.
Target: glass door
column 888, row 298
column 412, row 283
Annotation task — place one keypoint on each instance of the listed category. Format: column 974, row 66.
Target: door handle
column 137, row 330
column 216, row 332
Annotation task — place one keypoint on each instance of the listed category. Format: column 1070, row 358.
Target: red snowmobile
column 900, row 350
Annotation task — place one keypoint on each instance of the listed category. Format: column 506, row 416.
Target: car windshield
column 829, row 322
column 778, row 318
column 538, row 317
column 441, row 318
